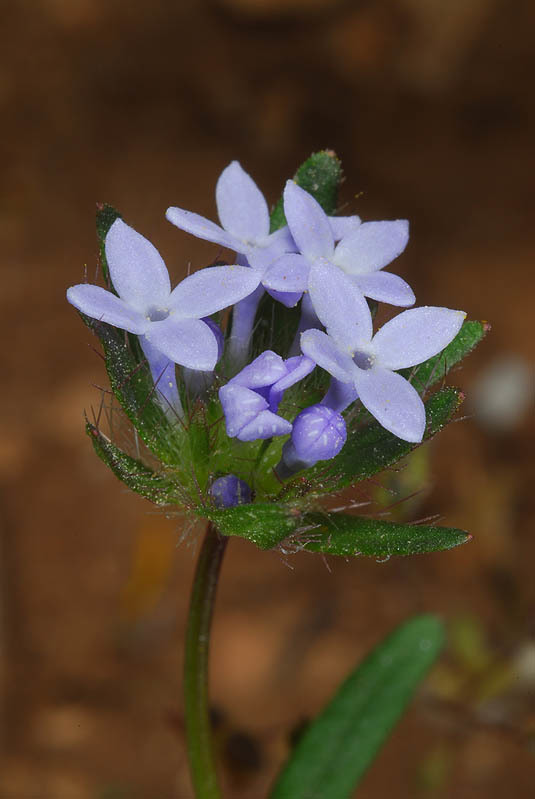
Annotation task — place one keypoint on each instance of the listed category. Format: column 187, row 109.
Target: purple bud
column 318, row 434
column 229, row 490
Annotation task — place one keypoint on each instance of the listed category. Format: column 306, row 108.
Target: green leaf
column 433, row 370
column 263, row 523
column 370, row 449
column 268, row 524
column 132, row 384
column 342, row 742
column 340, row 534
column 139, row 478
column 320, row 175
column 106, row 216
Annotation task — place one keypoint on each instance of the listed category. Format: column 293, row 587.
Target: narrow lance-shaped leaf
column 340, row 534
column 342, row 742
column 157, row 488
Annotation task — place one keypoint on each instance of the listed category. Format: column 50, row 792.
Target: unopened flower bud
column 318, row 434
column 229, row 490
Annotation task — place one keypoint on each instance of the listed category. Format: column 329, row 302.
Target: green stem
column 197, row 708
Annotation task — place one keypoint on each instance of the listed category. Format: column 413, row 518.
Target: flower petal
column 164, row 376
column 342, row 226
column 372, row 246
column 241, row 206
column 240, row 406
column 288, row 273
column 188, row 342
column 263, row 371
column 211, row 289
column 288, row 298
column 340, row 395
column 416, row 335
column 100, row 304
column 265, row 425
column 322, row 350
column 137, row 270
column 297, row 368
column 201, row 227
column 385, row 287
column 393, row 401
column 308, row 222
column 340, row 305
column 282, row 238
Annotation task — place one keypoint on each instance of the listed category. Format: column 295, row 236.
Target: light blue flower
column 353, row 355
column 362, row 252
column 251, row 399
column 169, row 323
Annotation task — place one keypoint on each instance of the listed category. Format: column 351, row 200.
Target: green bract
column 182, row 456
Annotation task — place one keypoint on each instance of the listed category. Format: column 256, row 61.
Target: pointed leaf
column 106, row 216
column 340, row 534
column 433, row 370
column 320, row 175
column 263, row 523
column 157, row 488
column 342, row 742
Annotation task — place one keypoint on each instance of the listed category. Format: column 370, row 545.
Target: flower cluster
column 332, row 265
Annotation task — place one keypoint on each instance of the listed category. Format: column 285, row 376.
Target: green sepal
column 157, row 488
column 340, row 534
column 370, row 449
column 433, row 370
column 338, row 747
column 320, row 175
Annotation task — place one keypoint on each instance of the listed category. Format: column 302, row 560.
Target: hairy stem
column 197, row 708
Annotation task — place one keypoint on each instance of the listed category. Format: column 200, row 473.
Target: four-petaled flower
column 352, row 354
column 169, row 323
column 251, row 399
column 362, row 252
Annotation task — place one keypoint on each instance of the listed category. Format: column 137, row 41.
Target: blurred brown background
column 430, row 106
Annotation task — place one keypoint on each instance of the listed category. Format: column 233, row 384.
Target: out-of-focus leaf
column 320, row 175
column 432, row 371
column 342, row 742
column 157, row 488
column 370, row 449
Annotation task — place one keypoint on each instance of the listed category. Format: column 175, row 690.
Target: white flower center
column 155, row 314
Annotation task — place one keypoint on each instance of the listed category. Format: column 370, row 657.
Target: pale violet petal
column 265, row 425
column 372, row 246
column 241, row 206
column 288, row 273
column 385, row 287
column 308, row 222
column 164, row 375
column 137, row 270
column 100, row 304
column 203, row 228
column 282, row 239
column 322, row 350
column 188, row 342
column 263, row 371
column 287, row 298
column 414, row 336
column 342, row 226
column 211, row 289
column 339, row 305
column 297, row 368
column 240, row 406
column 340, row 395
column 393, row 401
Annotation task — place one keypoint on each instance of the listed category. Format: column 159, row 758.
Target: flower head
column 251, row 399
column 353, row 355
column 169, row 323
column 362, row 252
